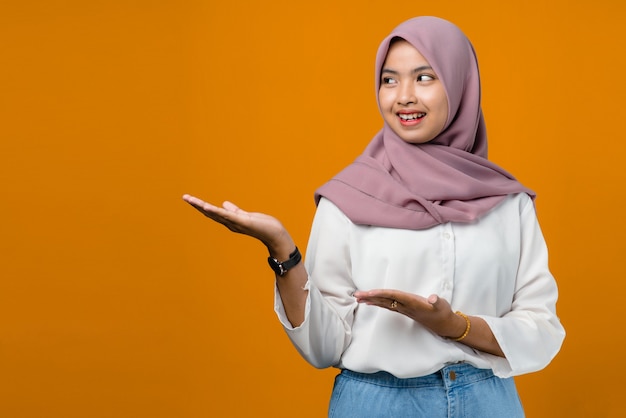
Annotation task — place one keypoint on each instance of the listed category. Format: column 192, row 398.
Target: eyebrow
column 415, row 70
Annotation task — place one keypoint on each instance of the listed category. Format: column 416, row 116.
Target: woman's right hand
column 270, row 232
column 265, row 228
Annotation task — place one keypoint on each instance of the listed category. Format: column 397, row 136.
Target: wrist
column 282, row 266
column 281, row 252
column 463, row 328
column 281, row 246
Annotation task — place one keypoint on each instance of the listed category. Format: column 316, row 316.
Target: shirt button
column 446, row 235
column 452, row 375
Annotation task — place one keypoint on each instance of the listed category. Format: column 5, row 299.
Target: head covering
column 448, row 179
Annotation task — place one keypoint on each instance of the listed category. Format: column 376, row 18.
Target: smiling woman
column 426, row 280
column 412, row 98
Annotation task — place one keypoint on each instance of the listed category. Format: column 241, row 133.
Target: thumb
column 433, row 299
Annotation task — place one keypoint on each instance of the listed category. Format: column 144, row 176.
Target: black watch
column 280, row 268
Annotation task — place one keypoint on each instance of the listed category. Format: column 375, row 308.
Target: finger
column 378, row 301
column 189, row 199
column 386, row 303
column 213, row 212
column 438, row 303
column 392, row 305
column 368, row 297
column 194, row 201
column 377, row 293
column 207, row 208
column 230, row 206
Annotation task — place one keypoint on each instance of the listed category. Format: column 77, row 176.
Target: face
column 412, row 99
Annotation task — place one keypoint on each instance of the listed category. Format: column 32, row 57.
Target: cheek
column 444, row 113
column 440, row 106
column 384, row 99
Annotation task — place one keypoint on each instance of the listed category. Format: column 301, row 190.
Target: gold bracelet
column 467, row 327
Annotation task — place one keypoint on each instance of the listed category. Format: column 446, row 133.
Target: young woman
column 426, row 278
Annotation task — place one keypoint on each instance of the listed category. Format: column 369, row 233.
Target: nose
column 406, row 95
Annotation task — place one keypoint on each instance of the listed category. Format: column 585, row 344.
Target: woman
column 426, row 278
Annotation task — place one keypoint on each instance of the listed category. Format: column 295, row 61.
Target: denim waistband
column 457, row 374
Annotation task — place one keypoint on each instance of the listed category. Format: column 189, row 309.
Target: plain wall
column 119, row 300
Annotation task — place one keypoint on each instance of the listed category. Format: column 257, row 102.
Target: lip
column 412, row 122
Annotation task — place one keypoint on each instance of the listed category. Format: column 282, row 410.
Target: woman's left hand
column 433, row 312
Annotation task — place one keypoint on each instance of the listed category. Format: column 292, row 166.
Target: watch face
column 275, row 265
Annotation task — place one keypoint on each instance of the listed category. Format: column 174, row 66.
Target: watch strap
column 281, row 267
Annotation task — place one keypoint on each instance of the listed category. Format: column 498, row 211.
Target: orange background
column 119, row 300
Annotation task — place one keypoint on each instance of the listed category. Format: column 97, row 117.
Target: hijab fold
column 396, row 184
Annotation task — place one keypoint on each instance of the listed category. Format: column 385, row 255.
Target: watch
column 280, row 268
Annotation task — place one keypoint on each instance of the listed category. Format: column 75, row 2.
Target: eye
column 425, row 77
column 388, row 80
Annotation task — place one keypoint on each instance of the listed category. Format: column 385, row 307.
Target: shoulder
column 518, row 202
column 326, row 206
column 517, row 211
column 511, row 211
column 328, row 212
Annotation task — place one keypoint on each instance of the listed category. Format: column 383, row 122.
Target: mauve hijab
column 449, row 179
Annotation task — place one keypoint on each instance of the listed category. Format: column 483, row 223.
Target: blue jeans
column 456, row 391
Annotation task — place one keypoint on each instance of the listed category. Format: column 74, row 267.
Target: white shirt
column 495, row 268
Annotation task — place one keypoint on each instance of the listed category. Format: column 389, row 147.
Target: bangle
column 467, row 327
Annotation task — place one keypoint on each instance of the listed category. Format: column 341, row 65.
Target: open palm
column 265, row 228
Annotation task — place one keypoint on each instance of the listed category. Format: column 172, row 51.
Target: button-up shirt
column 495, row 267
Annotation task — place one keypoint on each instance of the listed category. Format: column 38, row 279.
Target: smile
column 411, row 116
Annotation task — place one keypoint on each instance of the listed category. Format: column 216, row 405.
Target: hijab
column 397, row 184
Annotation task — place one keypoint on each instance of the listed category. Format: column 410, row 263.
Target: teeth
column 411, row 116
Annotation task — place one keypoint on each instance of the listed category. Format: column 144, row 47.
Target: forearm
column 479, row 336
column 291, row 285
column 292, row 293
